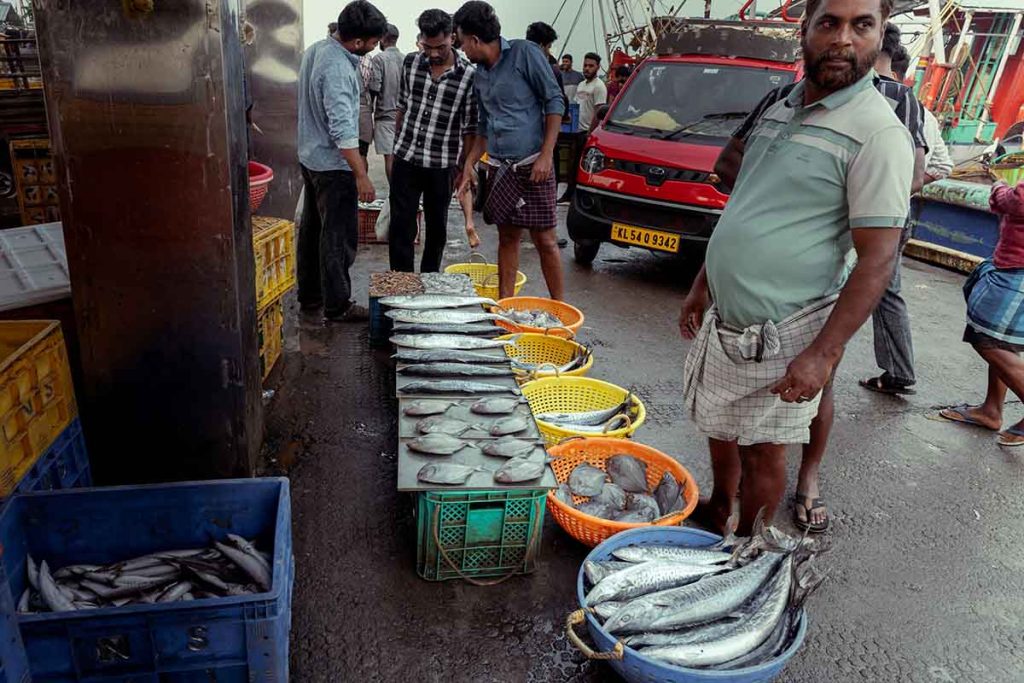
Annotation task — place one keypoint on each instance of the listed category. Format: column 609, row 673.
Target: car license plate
column 643, row 237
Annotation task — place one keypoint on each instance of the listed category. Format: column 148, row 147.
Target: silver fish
column 442, row 317
column 533, row 318
column 514, row 424
column 246, row 547
column 456, row 386
column 446, row 356
column 447, row 473
column 436, row 444
column 23, row 603
column 748, row 635
column 578, row 362
column 473, row 329
column 52, row 596
column 606, row 609
column 591, row 418
column 772, row 647
column 446, row 341
column 616, row 422
column 427, row 407
column 596, row 571
column 517, row 470
column 454, row 370
column 175, row 592
column 422, row 302
column 260, row 574
column 33, row 571
column 711, row 598
column 648, row 577
column 509, row 447
column 645, row 553
column 439, row 424
column 495, row 406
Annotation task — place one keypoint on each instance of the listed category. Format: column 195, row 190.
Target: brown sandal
column 809, row 504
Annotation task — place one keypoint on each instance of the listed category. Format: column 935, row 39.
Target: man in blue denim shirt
column 334, row 176
column 520, row 109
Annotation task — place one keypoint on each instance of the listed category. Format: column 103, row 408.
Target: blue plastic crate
column 64, row 465
column 13, row 661
column 242, row 638
column 574, row 119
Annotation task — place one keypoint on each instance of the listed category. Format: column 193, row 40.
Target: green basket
column 475, row 535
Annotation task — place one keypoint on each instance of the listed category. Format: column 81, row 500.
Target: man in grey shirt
column 334, row 175
column 385, row 83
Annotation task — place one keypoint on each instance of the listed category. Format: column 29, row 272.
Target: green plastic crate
column 478, row 534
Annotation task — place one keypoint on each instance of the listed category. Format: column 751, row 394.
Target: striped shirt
column 901, row 98
column 436, row 114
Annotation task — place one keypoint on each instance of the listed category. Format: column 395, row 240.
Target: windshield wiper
column 623, row 128
column 707, row 117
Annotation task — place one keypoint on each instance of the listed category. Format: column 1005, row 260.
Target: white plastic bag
column 382, row 228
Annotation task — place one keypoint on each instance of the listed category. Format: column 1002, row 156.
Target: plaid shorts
column 513, row 199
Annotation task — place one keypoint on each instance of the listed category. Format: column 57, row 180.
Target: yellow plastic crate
column 37, row 397
column 273, row 245
column 270, row 328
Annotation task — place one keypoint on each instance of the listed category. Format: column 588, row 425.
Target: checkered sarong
column 729, row 375
column 513, row 199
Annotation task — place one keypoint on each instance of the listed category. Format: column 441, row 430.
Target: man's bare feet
column 472, row 237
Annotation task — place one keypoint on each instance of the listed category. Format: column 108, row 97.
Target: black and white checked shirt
column 905, row 105
column 435, row 114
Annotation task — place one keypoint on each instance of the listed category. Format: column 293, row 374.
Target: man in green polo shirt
column 824, row 183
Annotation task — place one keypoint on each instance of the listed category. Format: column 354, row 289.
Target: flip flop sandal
column 962, row 417
column 1012, row 431
column 881, row 385
column 804, row 525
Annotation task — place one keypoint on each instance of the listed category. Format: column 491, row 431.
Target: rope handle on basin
column 575, row 619
column 615, row 420
column 477, row 253
column 535, row 373
column 547, row 331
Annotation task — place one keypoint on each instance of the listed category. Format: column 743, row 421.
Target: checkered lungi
column 513, row 199
column 729, row 375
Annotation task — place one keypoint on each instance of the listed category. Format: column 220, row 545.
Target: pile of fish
column 447, row 283
column 621, row 494
column 706, row 607
column 578, row 360
column 533, row 318
column 226, row 569
column 595, row 422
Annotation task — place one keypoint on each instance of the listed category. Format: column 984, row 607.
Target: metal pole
column 604, row 32
column 990, row 100
column 938, row 44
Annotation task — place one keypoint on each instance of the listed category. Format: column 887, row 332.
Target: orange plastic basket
column 571, row 317
column 596, row 451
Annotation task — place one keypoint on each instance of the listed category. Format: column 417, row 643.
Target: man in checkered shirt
column 826, row 174
column 435, row 125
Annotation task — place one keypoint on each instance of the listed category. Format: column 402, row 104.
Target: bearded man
column 825, row 176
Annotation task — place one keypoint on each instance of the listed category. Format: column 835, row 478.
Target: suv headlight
column 593, row 160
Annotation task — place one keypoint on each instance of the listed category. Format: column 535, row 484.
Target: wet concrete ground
column 925, row 573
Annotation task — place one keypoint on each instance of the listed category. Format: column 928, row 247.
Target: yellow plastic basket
column 549, row 352
column 484, row 276
column 273, row 246
column 578, row 394
column 270, row 330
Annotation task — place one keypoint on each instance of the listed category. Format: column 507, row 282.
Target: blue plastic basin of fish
column 636, row 668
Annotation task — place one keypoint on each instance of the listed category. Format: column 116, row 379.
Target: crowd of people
column 795, row 266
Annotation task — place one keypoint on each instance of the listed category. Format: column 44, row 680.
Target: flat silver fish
column 447, row 473
column 439, row 424
column 495, row 406
column 475, row 329
column 407, row 355
column 454, row 370
column 428, row 407
column 447, row 341
column 514, row 424
column 456, row 386
column 509, row 447
column 520, row 469
column 443, row 317
column 436, row 444
column 421, row 302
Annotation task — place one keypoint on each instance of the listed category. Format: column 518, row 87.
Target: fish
column 420, row 302
column 246, row 547
column 514, row 424
column 628, row 472
column 509, row 447
column 442, row 317
column 533, row 318
column 495, row 406
column 591, row 418
column 175, row 592
column 436, row 444
column 587, row 480
column 458, row 342
column 454, row 370
column 711, row 598
column 456, row 386
column 597, row 570
column 748, row 634
column 447, row 473
column 439, row 424
column 474, row 329
column 647, row 577
column 409, row 356
column 641, row 502
column 645, row 553
column 578, row 361
column 605, row 610
column 428, row 407
column 596, row 508
column 33, row 572
column 562, row 493
column 643, row 516
column 52, row 596
column 517, row 470
column 669, row 495
column 248, row 564
column 613, row 495
column 24, row 603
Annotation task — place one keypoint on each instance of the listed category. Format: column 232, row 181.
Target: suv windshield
column 692, row 102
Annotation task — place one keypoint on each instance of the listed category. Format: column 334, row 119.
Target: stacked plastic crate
column 273, row 245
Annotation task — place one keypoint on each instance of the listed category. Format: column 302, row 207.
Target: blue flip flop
column 962, row 417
